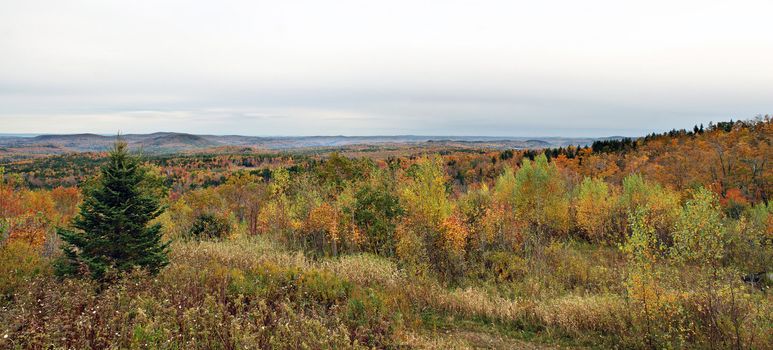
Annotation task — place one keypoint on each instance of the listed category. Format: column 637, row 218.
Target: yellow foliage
column 18, row 261
column 500, row 226
column 66, row 201
column 324, row 218
column 540, row 195
column 661, row 205
column 411, row 249
column 274, row 217
column 424, row 197
column 594, row 209
column 39, row 202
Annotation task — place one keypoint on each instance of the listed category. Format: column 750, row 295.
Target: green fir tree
column 112, row 233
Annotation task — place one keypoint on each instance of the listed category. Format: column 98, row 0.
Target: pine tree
column 112, row 233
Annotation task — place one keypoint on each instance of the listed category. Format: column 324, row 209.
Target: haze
column 499, row 68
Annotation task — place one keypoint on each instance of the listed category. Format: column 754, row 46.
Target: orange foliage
column 10, row 202
column 39, row 202
column 500, row 227
column 454, row 233
column 324, row 218
column 734, row 196
column 30, row 229
column 66, row 201
column 31, row 215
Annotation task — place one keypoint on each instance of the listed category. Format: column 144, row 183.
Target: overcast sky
column 359, row 67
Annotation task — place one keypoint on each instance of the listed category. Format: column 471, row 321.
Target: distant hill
column 69, row 138
column 19, row 146
column 176, row 141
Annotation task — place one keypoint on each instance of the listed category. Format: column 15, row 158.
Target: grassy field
column 247, row 292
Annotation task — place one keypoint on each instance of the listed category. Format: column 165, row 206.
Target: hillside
column 19, row 147
column 665, row 241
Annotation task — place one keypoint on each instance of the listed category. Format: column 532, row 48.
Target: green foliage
column 210, row 226
column 475, row 208
column 751, row 240
column 660, row 205
column 369, row 318
column 431, row 230
column 280, row 182
column 376, row 210
column 337, row 170
column 113, row 231
column 424, row 196
column 539, row 196
column 760, row 215
column 642, row 245
column 4, row 227
column 505, row 187
column 699, row 236
column 644, row 284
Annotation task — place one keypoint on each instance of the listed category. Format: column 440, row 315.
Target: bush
column 751, row 241
column 376, row 211
column 540, row 197
column 19, row 262
column 571, row 267
column 504, row 266
column 4, row 227
column 209, row 226
column 660, row 205
column 370, row 320
column 595, row 209
column 214, row 295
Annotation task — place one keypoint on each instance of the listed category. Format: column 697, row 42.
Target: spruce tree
column 112, row 233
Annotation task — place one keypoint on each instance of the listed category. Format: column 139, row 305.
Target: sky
column 361, row 67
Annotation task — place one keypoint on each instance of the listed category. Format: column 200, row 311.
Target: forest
column 663, row 241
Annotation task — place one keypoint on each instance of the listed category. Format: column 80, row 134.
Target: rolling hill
column 22, row 146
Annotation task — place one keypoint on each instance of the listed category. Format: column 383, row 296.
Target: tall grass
column 248, row 292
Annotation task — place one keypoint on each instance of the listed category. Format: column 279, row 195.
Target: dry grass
column 251, row 293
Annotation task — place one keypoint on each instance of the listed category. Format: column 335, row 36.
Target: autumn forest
column 661, row 241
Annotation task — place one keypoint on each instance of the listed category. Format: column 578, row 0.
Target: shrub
column 699, row 236
column 594, row 209
column 504, row 266
column 210, row 226
column 540, row 196
column 659, row 204
column 4, row 227
column 370, row 320
column 431, row 228
column 376, row 211
column 570, row 267
column 751, row 240
column 19, row 262
column 214, row 295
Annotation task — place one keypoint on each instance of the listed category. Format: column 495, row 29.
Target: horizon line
column 33, row 134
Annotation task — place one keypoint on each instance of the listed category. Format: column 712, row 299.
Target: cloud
column 557, row 67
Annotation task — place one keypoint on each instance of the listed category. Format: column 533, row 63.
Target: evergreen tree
column 112, row 233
